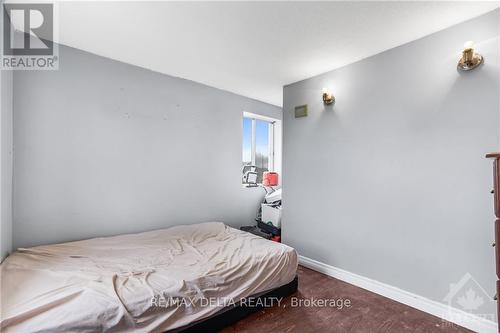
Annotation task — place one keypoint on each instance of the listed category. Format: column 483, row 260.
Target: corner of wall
column 6, row 148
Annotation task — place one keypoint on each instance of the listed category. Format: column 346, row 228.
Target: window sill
column 251, row 186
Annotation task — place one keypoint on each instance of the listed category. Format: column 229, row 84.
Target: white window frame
column 274, row 140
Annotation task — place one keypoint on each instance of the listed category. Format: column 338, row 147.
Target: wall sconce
column 328, row 97
column 470, row 59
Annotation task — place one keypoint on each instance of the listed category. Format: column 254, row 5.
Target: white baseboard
column 437, row 309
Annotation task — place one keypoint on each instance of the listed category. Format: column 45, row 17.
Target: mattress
column 148, row 282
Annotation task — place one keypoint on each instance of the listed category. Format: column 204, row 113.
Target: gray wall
column 6, row 163
column 391, row 183
column 106, row 148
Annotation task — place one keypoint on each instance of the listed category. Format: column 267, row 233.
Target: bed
column 164, row 280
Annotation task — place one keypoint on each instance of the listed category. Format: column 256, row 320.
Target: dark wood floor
column 368, row 312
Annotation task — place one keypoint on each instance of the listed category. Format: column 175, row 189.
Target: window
column 259, row 141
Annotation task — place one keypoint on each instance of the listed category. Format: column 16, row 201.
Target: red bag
column 270, row 179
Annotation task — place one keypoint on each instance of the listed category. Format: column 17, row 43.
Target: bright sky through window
column 247, row 141
column 257, row 148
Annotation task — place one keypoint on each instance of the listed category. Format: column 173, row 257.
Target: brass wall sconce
column 328, row 97
column 470, row 59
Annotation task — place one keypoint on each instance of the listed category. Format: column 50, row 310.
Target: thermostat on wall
column 301, row 111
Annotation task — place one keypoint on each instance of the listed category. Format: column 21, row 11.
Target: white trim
column 258, row 116
column 253, row 144
column 277, row 151
column 270, row 147
column 437, row 309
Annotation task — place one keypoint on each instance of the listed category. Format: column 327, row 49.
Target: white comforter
column 128, row 282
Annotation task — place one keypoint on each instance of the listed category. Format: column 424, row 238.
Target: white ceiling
column 252, row 48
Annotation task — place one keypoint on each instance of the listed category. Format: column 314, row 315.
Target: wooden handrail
column 493, row 155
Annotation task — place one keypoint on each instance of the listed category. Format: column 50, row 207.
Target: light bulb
column 469, row 45
column 470, row 59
